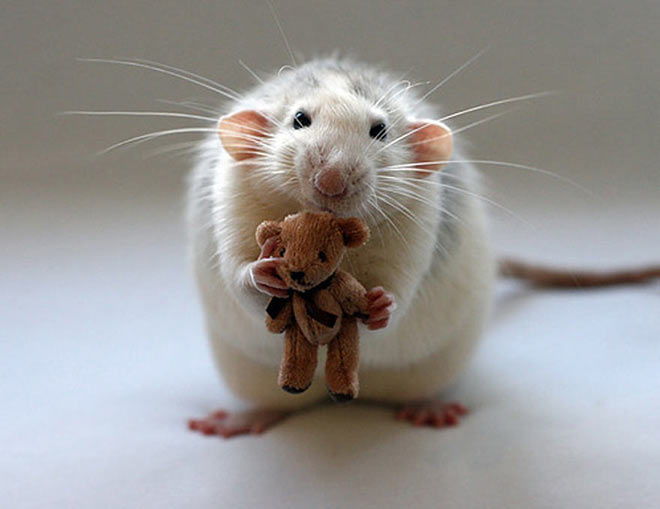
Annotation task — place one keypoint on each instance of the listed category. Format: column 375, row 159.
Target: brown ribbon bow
column 276, row 305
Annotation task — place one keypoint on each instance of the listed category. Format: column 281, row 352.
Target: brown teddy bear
column 324, row 302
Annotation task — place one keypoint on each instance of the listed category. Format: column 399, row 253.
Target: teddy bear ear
column 354, row 230
column 266, row 230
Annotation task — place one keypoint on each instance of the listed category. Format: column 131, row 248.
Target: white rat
column 343, row 137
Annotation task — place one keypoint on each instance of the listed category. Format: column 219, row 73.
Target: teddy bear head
column 312, row 245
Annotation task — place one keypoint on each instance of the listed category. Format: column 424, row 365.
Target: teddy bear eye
column 322, row 256
column 282, row 251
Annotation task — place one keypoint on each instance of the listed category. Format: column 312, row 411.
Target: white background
column 102, row 349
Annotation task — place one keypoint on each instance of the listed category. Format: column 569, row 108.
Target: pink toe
column 378, row 325
column 375, row 292
column 451, row 419
column 381, row 302
column 422, row 417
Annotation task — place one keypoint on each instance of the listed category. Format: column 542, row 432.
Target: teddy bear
column 324, row 301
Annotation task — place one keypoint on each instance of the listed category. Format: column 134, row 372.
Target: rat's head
column 312, row 245
column 322, row 133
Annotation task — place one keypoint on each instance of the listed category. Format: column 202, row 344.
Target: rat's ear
column 242, row 133
column 354, row 230
column 266, row 230
column 431, row 143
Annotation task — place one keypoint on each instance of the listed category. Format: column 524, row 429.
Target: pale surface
column 102, row 348
column 104, row 357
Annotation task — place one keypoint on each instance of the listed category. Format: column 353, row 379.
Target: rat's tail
column 564, row 278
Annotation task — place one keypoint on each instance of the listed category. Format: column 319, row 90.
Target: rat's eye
column 301, row 119
column 378, row 131
column 322, row 256
column 282, row 251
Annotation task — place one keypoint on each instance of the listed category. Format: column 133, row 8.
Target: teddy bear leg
column 341, row 366
column 298, row 363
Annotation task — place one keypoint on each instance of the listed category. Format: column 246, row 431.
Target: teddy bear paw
column 295, row 390
column 341, row 397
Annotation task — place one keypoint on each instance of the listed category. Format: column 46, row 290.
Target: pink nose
column 330, row 182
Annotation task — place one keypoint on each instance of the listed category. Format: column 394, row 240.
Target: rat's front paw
column 380, row 307
column 263, row 273
column 264, row 277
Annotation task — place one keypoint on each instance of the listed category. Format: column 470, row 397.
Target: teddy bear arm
column 281, row 321
column 349, row 293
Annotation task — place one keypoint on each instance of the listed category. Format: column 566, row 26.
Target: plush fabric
column 323, row 303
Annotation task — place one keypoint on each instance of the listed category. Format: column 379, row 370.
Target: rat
column 340, row 136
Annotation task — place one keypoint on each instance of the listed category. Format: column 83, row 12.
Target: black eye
column 282, row 251
column 301, row 119
column 378, row 131
column 322, row 256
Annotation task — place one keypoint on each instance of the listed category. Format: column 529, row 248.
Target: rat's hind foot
column 432, row 413
column 229, row 424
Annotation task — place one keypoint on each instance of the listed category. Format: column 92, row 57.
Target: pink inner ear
column 242, row 132
column 431, row 143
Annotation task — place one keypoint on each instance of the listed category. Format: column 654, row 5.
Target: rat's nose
column 330, row 182
column 297, row 276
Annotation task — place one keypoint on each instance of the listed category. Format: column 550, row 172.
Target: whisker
column 191, row 74
column 158, row 134
column 192, row 105
column 498, row 103
column 390, row 221
column 399, row 92
column 452, row 74
column 404, row 210
column 183, row 148
column 284, row 37
column 394, row 203
column 131, row 63
column 475, row 195
column 389, row 90
column 397, row 189
column 252, row 73
column 443, row 81
column 138, row 114
column 404, row 167
column 365, row 208
column 465, row 128
column 249, row 128
column 396, row 182
column 465, row 112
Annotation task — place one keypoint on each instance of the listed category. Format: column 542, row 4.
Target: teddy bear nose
column 297, row 276
column 330, row 182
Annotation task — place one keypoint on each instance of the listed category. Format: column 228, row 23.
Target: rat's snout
column 330, row 182
column 297, row 276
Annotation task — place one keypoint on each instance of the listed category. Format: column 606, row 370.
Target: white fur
column 441, row 271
